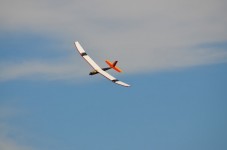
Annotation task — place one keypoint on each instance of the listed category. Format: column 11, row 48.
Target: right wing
column 96, row 67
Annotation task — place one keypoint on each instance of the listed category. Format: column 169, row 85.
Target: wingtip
column 123, row 84
column 127, row 85
column 77, row 44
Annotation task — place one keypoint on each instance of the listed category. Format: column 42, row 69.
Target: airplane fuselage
column 93, row 72
column 96, row 72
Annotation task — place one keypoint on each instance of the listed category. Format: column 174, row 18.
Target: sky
column 172, row 52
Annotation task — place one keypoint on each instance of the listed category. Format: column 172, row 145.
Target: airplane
column 99, row 70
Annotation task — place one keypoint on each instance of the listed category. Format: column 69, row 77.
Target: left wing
column 96, row 67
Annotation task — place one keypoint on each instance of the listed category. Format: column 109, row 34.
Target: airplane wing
column 96, row 67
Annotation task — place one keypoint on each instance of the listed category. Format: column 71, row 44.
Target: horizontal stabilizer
column 113, row 65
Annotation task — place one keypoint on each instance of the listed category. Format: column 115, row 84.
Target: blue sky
column 172, row 53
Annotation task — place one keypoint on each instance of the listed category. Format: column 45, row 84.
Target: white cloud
column 144, row 35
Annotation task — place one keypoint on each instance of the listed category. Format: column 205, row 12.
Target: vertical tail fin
column 114, row 64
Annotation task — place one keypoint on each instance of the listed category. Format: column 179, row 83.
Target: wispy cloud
column 8, row 137
column 7, row 143
column 151, row 35
column 36, row 69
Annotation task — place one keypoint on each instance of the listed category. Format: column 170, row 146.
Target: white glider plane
column 98, row 69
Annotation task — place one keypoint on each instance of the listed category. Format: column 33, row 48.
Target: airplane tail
column 113, row 65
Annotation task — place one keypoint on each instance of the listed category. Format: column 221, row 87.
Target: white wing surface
column 96, row 67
